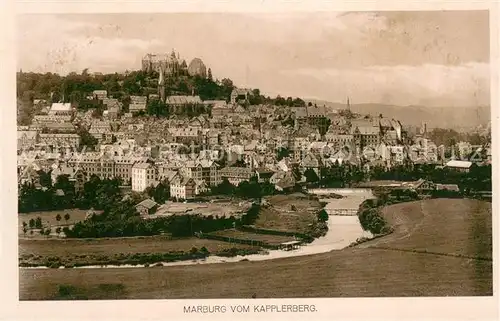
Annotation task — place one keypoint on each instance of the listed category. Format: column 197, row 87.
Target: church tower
column 161, row 85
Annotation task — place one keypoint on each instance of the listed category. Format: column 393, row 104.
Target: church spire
column 161, row 78
column 161, row 84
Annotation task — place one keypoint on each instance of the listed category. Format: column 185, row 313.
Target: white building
column 100, row 94
column 182, row 188
column 60, row 109
column 143, row 176
column 461, row 166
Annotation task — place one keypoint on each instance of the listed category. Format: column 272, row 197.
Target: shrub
column 322, row 216
column 109, row 287
column 66, row 290
column 370, row 218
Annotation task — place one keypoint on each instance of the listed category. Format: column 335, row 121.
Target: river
column 342, row 231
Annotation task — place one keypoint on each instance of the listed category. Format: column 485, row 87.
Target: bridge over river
column 343, row 229
column 347, row 205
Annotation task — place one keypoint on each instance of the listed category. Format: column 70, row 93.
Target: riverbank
column 442, row 242
column 342, row 232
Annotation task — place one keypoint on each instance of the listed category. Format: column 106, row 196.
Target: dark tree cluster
column 96, row 193
column 246, row 189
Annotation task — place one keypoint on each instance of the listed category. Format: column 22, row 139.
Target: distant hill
column 443, row 117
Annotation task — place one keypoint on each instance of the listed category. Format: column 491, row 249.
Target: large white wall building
column 143, row 176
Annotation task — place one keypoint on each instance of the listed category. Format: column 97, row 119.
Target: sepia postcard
column 267, row 162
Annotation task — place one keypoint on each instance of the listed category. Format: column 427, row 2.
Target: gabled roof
column 385, row 122
column 28, row 134
column 175, row 100
column 367, row 130
column 137, row 106
column 300, row 112
column 239, row 109
column 147, row 203
column 142, row 165
column 240, row 91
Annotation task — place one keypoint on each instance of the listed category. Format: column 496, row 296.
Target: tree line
column 123, row 220
column 479, row 178
column 251, row 189
column 96, row 193
column 75, row 88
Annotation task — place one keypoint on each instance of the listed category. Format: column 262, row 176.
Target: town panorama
column 171, row 182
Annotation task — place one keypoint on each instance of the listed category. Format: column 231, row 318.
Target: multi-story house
column 339, row 141
column 390, row 137
column 26, row 139
column 263, row 175
column 182, row 188
column 317, row 117
column 102, row 166
column 112, row 102
column 299, row 147
column 100, row 94
column 143, row 176
column 236, row 175
column 311, row 161
column 51, row 118
column 221, row 108
column 112, row 113
column 397, row 153
column 60, row 140
column 123, row 167
column 209, row 171
column 136, row 107
column 65, row 127
column 191, row 170
column 138, row 99
column 366, row 136
column 212, row 138
column 187, row 135
column 80, row 178
column 100, row 129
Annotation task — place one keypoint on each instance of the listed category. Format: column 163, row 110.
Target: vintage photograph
column 254, row 155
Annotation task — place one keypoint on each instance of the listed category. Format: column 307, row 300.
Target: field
column 280, row 216
column 270, row 239
column 224, row 208
column 49, row 219
column 74, row 250
column 454, row 227
column 396, row 265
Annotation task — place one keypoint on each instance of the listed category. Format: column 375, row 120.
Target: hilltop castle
column 172, row 65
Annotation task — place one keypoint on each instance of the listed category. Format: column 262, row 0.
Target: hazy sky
column 403, row 58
